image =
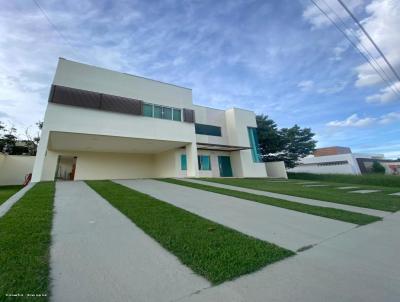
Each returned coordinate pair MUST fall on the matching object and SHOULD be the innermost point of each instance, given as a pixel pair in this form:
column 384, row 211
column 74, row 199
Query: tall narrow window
column 204, row 162
column 148, row 110
column 177, row 116
column 255, row 149
column 183, row 162
column 167, row 113
column 157, row 111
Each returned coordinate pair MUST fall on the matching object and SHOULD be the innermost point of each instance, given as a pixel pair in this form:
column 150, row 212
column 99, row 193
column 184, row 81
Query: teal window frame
column 255, row 147
column 177, row 114
column 207, row 129
column 157, row 111
column 204, row 162
column 148, row 109
column 183, row 162
column 167, row 113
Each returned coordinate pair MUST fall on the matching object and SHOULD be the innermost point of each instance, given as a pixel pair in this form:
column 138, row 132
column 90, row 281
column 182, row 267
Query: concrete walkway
column 5, row 206
column 286, row 228
column 358, row 266
column 98, row 254
column 313, row 202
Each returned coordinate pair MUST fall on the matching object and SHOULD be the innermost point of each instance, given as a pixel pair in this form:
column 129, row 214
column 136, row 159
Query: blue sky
column 281, row 58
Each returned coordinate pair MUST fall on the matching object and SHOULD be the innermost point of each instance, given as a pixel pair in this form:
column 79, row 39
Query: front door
column 225, row 168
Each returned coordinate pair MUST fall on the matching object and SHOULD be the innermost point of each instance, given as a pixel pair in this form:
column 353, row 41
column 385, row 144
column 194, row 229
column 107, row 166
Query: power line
column 369, row 38
column 353, row 44
column 66, row 41
column 389, row 79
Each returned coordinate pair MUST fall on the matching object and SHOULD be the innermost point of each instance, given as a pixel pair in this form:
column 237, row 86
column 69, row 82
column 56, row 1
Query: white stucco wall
column 310, row 165
column 14, row 168
column 276, row 169
column 87, row 77
column 69, row 119
column 237, row 122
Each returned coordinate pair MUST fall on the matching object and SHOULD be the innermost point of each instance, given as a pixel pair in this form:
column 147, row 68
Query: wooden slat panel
column 121, row 104
column 75, row 97
column 188, row 115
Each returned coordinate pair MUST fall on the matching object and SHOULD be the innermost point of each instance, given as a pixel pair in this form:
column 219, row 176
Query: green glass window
column 255, row 149
column 204, row 162
column 177, row 116
column 167, row 113
column 207, row 129
column 157, row 111
column 148, row 110
column 183, row 162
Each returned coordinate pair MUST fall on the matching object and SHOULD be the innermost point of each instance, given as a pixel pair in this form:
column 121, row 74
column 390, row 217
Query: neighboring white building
column 343, row 163
column 102, row 124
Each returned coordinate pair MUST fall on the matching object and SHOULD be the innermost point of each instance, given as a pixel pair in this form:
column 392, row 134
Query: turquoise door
column 225, row 168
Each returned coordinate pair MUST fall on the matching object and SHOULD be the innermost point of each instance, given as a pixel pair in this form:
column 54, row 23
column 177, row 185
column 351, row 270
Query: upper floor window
column 207, row 129
column 157, row 111
column 255, row 149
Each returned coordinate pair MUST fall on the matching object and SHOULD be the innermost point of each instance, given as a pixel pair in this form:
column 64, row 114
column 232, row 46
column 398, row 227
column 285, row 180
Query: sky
column 282, row 58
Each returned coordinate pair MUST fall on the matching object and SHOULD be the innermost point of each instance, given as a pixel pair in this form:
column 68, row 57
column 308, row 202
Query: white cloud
column 352, row 121
column 383, row 25
column 355, row 121
column 318, row 20
column 386, row 95
column 390, row 118
column 306, row 85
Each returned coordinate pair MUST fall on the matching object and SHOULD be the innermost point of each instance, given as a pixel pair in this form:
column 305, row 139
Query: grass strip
column 211, row 250
column 7, row 191
column 25, row 237
column 366, row 179
column 378, row 201
column 332, row 213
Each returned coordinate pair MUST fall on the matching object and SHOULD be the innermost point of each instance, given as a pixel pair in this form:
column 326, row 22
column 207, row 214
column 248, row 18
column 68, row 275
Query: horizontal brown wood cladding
column 188, row 115
column 88, row 99
column 75, row 97
column 120, row 104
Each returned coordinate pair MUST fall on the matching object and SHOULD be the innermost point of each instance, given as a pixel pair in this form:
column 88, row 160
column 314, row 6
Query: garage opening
column 66, row 167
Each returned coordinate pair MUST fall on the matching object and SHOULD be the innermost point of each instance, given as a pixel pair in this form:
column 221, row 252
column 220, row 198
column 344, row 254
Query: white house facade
column 102, row 124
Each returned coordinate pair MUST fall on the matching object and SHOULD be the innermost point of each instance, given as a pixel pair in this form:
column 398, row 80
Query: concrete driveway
column 98, row 254
column 286, row 228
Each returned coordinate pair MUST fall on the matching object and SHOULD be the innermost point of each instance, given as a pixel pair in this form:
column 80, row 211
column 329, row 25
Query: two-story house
column 102, row 124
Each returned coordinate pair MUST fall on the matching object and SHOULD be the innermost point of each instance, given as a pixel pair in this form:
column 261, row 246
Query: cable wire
column 370, row 39
column 66, row 41
column 389, row 79
column 353, row 44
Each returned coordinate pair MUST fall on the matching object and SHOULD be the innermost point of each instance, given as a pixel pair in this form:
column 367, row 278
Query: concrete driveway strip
column 98, row 254
column 286, row 228
column 358, row 266
column 312, row 202
column 13, row 199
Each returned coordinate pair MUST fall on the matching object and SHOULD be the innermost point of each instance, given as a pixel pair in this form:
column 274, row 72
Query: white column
column 191, row 158
column 40, row 156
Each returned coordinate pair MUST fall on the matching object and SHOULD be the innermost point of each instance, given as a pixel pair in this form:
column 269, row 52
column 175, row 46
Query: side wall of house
column 14, row 168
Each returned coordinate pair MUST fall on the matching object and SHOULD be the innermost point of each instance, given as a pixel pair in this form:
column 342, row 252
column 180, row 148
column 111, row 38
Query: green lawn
column 7, row 191
column 366, row 179
column 379, row 200
column 25, row 245
column 211, row 250
column 332, row 213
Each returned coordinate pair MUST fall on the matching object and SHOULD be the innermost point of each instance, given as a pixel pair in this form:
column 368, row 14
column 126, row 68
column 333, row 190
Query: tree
column 8, row 139
column 287, row 144
column 269, row 138
column 377, row 167
column 33, row 141
column 297, row 143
